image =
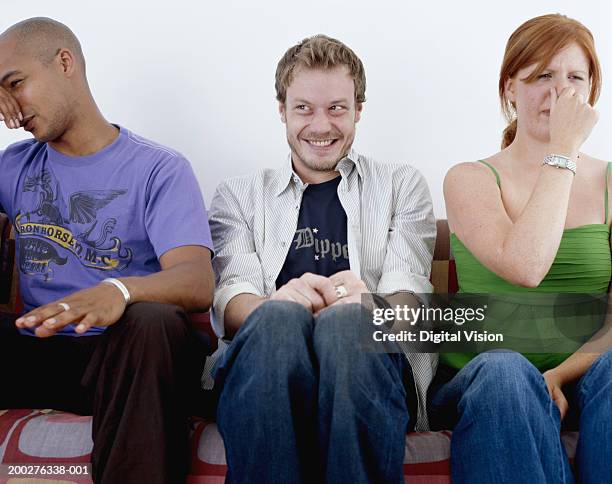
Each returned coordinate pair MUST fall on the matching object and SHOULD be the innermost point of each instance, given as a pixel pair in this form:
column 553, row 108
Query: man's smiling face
column 320, row 113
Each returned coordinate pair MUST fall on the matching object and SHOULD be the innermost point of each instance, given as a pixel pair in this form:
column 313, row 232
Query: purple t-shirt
column 80, row 220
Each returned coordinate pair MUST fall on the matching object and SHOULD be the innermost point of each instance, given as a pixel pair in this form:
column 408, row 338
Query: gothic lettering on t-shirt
column 307, row 238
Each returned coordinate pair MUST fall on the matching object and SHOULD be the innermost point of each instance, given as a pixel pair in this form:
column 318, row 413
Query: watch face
column 560, row 162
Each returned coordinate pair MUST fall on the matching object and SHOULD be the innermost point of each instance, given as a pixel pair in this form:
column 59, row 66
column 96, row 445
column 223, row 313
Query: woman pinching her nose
column 533, row 220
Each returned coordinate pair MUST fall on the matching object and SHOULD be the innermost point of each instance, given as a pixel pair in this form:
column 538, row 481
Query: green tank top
column 583, row 264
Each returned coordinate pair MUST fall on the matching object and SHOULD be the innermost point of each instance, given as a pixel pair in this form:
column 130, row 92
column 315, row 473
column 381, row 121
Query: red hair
column 537, row 41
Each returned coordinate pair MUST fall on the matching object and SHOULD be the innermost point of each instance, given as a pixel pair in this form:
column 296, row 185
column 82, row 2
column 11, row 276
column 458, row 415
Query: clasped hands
column 101, row 305
column 316, row 292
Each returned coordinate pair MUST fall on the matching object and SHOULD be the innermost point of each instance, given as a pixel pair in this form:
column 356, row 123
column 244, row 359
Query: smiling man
column 297, row 247
column 112, row 247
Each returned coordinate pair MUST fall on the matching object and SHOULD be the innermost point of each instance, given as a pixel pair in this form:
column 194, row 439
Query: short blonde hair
column 319, row 51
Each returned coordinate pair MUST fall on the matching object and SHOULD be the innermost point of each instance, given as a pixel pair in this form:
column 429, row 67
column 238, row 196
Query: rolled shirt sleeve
column 412, row 238
column 237, row 265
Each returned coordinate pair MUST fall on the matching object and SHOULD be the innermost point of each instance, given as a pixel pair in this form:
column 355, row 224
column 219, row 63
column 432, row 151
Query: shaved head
column 42, row 68
column 43, row 38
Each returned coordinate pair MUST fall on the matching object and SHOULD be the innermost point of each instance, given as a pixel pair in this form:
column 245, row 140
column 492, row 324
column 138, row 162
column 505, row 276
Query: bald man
column 113, row 248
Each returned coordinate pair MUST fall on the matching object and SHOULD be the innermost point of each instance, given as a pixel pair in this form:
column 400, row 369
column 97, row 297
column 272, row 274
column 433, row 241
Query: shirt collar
column 285, row 176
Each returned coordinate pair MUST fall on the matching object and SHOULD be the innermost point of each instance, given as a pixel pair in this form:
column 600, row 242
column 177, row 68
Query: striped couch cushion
column 49, row 437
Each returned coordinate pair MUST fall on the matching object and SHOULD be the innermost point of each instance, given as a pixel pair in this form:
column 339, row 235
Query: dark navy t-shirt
column 320, row 242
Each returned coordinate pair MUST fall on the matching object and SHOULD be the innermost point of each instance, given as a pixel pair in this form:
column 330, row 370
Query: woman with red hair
column 533, row 219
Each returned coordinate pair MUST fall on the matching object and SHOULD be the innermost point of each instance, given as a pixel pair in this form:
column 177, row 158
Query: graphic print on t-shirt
column 320, row 243
column 51, row 232
column 307, row 238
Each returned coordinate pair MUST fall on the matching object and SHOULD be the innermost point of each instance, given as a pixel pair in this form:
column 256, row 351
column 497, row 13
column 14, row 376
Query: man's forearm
column 189, row 284
column 238, row 309
column 398, row 301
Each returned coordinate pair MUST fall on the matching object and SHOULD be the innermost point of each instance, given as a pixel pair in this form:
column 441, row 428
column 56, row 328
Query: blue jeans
column 301, row 401
column 506, row 428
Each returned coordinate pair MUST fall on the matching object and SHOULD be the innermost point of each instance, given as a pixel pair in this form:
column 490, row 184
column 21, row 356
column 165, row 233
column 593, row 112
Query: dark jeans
column 136, row 379
column 301, row 400
column 506, row 428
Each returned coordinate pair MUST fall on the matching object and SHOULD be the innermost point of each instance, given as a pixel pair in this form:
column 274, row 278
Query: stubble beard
column 314, row 163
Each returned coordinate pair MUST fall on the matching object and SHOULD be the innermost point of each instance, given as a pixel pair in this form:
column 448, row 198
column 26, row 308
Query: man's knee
column 338, row 327
column 278, row 323
column 272, row 346
column 151, row 321
column 342, row 343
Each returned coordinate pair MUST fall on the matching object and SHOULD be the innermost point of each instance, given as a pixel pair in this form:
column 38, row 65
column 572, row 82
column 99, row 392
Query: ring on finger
column 341, row 291
column 64, row 305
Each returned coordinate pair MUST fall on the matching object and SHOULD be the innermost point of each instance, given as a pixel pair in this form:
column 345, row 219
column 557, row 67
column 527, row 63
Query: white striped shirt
column 391, row 231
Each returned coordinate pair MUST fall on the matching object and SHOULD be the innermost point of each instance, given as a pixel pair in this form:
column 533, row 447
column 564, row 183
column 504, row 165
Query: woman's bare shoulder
column 591, row 168
column 472, row 171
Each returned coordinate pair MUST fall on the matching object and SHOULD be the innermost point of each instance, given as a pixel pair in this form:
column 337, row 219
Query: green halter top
column 583, row 264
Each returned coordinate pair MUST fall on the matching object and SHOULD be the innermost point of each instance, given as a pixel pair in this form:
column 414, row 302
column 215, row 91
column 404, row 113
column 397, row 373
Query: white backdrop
column 199, row 76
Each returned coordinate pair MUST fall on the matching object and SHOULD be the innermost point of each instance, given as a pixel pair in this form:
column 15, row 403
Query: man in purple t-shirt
column 113, row 246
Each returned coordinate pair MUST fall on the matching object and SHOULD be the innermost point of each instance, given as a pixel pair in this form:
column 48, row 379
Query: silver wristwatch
column 560, row 161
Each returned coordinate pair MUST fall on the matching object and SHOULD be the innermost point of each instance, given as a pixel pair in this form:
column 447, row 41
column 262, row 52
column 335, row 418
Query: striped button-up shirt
column 391, row 233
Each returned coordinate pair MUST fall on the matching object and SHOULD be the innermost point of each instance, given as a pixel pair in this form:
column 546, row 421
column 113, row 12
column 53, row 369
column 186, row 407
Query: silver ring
column 64, row 305
column 341, row 291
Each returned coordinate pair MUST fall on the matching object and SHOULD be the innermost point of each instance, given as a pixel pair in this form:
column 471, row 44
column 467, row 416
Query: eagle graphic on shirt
column 50, row 224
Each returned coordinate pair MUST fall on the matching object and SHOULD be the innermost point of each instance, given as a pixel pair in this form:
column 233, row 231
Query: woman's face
column 568, row 68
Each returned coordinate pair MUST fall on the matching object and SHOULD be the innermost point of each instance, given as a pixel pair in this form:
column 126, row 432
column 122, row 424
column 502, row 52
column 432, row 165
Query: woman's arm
column 580, row 362
column 521, row 251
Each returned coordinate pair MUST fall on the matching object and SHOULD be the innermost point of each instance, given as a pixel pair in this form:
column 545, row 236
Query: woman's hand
column 571, row 121
column 554, row 384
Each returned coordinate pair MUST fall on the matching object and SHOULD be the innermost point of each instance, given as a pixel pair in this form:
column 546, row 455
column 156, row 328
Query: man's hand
column 312, row 291
column 101, row 305
column 554, row 385
column 353, row 286
column 10, row 111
